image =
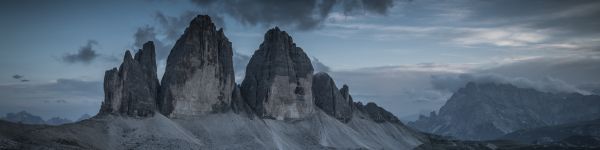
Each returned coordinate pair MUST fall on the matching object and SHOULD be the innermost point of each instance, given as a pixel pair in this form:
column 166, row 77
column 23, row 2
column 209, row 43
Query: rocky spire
column 199, row 75
column 345, row 91
column 330, row 99
column 278, row 78
column 132, row 89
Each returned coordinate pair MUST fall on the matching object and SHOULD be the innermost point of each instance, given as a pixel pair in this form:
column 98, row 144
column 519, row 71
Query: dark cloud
column 319, row 66
column 16, row 76
column 20, row 78
column 299, row 14
column 376, row 6
column 56, row 101
column 399, row 89
column 580, row 16
column 173, row 26
column 575, row 70
column 86, row 54
column 148, row 33
column 548, row 74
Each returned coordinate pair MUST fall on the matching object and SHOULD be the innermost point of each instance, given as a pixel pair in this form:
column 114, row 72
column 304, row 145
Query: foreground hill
column 577, row 133
column 217, row 131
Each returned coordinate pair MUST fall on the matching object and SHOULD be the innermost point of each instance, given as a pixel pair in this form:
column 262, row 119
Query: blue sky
column 401, row 54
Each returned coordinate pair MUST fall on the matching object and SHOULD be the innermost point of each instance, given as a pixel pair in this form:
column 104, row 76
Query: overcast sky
column 408, row 56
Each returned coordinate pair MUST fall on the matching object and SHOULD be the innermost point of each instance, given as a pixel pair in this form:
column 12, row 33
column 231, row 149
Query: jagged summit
column 199, row 76
column 132, row 89
column 202, row 22
column 330, row 99
column 278, row 79
column 199, row 80
column 277, row 36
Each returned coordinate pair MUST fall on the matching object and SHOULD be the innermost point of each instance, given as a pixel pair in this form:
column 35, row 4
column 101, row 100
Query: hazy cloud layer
column 63, row 97
column 319, row 66
column 452, row 83
column 421, row 88
column 167, row 30
column 148, row 33
column 299, row 14
column 86, row 54
column 577, row 16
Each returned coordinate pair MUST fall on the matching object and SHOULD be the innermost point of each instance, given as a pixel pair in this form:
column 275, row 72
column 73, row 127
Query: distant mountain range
column 25, row 117
column 485, row 111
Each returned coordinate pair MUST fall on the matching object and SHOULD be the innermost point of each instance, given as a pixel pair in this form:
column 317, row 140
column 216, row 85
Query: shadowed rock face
column 330, row 99
column 199, row 75
column 279, row 78
column 238, row 105
column 132, row 89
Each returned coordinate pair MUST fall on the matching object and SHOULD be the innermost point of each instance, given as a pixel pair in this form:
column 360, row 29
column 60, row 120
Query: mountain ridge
column 485, row 111
column 198, row 104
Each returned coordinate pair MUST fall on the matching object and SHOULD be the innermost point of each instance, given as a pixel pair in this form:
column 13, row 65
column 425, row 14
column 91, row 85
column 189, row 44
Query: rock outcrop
column 483, row 111
column 199, row 76
column 331, row 100
column 132, row 89
column 278, row 79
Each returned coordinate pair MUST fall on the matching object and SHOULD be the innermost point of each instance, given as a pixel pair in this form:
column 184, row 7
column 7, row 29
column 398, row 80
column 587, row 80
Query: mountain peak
column 278, row 63
column 127, row 56
column 203, row 22
column 199, row 76
column 275, row 35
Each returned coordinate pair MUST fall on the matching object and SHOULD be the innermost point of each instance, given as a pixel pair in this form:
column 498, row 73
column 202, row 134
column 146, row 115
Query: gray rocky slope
column 483, row 111
column 198, row 105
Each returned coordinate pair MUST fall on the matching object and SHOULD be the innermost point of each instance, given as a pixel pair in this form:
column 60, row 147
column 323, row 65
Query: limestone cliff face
column 329, row 99
column 199, row 76
column 132, row 89
column 278, row 79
